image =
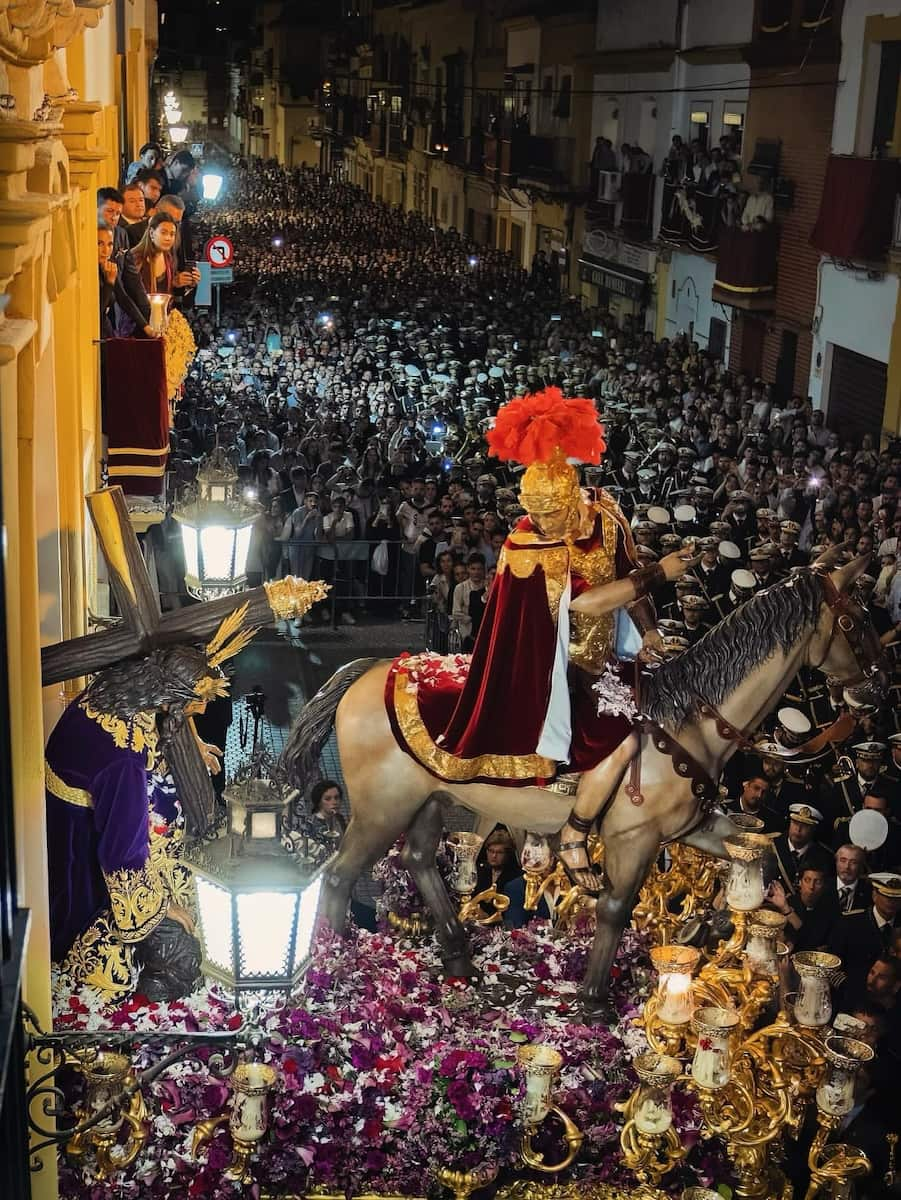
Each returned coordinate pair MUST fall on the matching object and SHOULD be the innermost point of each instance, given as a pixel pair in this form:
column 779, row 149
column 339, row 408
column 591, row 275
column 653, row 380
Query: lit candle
column 675, row 1007
column 158, row 305
column 674, row 966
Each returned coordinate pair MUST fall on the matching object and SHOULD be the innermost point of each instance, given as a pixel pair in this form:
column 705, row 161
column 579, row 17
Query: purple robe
column 98, row 835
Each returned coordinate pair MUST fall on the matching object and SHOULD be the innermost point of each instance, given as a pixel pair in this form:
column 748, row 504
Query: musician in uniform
column 850, row 780
column 791, row 556
column 694, row 607
column 712, row 577
column 862, row 937
column 761, row 561
column 798, row 847
column 742, row 586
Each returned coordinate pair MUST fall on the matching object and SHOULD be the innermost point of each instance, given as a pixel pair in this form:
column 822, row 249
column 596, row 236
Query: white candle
column 541, row 1070
column 675, row 1007
column 158, row 303
column 813, row 1006
column 652, row 1117
column 744, row 887
column 836, row 1094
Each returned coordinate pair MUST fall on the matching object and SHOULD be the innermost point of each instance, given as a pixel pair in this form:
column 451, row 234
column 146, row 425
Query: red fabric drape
column 857, row 207
column 746, row 262
column 136, row 414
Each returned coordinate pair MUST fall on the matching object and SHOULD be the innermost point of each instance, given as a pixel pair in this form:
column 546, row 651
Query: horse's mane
column 772, row 620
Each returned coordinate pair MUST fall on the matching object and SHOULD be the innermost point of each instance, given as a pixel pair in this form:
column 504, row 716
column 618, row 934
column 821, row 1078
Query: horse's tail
column 300, row 757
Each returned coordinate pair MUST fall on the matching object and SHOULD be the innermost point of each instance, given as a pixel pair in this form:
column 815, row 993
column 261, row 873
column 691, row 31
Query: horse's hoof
column 460, row 967
column 595, row 1010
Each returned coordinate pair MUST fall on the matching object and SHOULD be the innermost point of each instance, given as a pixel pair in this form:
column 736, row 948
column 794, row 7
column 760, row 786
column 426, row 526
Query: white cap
column 658, row 514
column 728, row 550
column 685, row 513
column 805, row 813
column 744, row 581
column 793, row 720
column 868, row 829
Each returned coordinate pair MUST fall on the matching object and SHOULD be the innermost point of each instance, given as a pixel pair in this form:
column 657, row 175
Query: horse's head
column 845, row 645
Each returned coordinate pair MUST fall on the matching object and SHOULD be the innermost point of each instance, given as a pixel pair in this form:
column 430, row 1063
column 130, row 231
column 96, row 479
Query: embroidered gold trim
column 449, row 766
column 591, row 638
column 137, row 899
column 139, row 734
column 524, row 554
column 63, row 791
column 99, row 959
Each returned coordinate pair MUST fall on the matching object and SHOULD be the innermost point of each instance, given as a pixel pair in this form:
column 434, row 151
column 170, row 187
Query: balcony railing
column 857, row 208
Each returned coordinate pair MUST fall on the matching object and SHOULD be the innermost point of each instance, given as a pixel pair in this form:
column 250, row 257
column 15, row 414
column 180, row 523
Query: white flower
column 614, row 697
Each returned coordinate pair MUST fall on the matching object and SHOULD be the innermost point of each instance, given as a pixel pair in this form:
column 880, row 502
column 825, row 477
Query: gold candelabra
column 754, row 1078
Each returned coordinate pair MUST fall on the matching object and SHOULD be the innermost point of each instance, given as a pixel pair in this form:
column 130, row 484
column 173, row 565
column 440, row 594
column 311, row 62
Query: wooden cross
column 144, row 628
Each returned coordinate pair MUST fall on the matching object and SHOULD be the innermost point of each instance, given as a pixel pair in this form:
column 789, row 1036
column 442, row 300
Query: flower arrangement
column 387, row 1071
column 180, row 350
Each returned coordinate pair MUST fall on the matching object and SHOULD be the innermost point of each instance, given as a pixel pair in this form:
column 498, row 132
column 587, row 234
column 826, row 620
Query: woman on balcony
column 154, row 254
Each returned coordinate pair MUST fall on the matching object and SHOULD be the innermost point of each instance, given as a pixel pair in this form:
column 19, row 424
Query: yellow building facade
column 73, row 107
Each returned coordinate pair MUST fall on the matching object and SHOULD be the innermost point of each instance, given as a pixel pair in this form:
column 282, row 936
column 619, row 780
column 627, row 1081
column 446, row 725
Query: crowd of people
column 350, row 378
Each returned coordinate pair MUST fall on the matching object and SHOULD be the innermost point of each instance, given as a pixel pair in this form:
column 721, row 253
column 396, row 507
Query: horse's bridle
column 870, row 659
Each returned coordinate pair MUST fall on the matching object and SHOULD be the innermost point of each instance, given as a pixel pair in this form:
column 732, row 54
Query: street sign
column 223, row 275
column 220, row 252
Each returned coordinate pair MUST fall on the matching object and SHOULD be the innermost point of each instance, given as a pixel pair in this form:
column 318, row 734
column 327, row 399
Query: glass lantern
column 845, row 1056
column 744, row 885
column 816, row 970
column 652, row 1109
column 257, row 905
column 711, row 1067
column 761, row 949
column 675, row 966
column 216, row 525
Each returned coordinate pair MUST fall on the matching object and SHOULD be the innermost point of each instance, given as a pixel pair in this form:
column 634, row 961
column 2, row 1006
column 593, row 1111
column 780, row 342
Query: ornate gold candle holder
column 108, row 1080
column 762, row 946
column 464, row 850
column 834, row 1164
column 650, row 1145
column 744, row 885
column 247, row 1121
column 464, row 1183
column 667, row 1013
column 711, row 1067
column 817, row 972
column 541, row 1065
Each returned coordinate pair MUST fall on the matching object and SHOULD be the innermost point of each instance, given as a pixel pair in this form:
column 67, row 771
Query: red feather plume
column 529, row 429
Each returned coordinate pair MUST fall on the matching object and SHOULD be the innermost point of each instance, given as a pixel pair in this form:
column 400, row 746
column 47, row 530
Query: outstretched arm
column 607, row 597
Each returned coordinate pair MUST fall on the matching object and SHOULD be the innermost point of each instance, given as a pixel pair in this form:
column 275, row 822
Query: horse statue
column 697, row 710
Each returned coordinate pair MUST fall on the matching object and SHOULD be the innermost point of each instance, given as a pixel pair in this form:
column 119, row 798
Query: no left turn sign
column 220, row 252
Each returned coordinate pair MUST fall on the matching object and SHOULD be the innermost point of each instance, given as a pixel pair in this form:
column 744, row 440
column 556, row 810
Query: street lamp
column 216, row 524
column 178, row 134
column 212, row 185
column 257, row 906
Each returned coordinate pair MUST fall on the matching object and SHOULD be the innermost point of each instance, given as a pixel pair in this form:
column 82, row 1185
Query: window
column 563, row 107
column 700, row 124
column 734, row 123
column 886, row 97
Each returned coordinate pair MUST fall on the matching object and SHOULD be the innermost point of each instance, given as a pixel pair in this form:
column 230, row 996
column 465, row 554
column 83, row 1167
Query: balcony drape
column 857, row 207
column 136, row 414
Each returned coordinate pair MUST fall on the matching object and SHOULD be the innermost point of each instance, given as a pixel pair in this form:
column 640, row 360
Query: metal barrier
column 353, row 568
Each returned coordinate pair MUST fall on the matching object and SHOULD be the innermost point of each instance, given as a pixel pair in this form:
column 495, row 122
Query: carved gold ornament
column 291, row 597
